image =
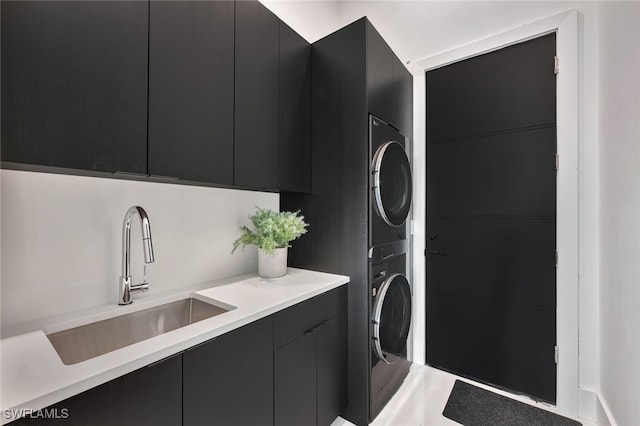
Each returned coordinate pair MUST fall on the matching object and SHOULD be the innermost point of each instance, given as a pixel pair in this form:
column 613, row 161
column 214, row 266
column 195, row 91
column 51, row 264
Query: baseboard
column 604, row 416
column 587, row 405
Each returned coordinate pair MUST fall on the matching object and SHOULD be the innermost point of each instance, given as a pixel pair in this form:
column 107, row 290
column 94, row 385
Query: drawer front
column 304, row 316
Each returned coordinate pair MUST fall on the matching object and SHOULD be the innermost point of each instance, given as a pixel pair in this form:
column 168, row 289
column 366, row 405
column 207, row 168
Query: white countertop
column 34, row 377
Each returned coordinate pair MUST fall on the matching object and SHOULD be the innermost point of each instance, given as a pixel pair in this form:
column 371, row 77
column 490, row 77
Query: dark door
column 191, row 90
column 256, row 96
column 491, row 218
column 74, row 84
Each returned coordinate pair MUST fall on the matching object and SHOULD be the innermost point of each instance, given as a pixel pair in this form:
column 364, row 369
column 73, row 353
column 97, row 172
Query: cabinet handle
column 164, row 177
column 317, row 327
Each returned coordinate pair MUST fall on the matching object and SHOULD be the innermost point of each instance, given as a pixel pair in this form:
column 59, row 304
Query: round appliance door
column 392, row 318
column 392, row 183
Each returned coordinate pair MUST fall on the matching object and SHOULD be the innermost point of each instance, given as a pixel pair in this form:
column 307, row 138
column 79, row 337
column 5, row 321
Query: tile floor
column 422, row 397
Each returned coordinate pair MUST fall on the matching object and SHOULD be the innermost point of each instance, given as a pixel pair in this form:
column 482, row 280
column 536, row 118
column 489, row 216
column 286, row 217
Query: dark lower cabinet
column 295, row 382
column 74, row 84
column 236, row 379
column 191, row 90
column 310, row 371
column 331, row 368
column 229, row 380
column 151, row 395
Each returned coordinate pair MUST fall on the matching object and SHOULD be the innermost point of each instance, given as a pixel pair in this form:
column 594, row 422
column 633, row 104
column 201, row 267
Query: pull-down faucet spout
column 125, row 287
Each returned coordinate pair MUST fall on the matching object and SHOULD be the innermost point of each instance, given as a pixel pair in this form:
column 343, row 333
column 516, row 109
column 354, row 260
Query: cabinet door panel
column 295, row 382
column 74, row 84
column 229, row 380
column 379, row 75
column 331, row 369
column 403, row 98
column 191, row 90
column 151, row 395
column 294, row 162
column 256, row 96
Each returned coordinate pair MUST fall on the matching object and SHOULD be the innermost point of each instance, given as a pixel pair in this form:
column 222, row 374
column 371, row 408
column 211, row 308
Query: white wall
column 62, row 238
column 620, row 208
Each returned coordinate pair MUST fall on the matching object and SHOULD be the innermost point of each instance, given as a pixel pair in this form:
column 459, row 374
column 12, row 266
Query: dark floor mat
column 472, row 406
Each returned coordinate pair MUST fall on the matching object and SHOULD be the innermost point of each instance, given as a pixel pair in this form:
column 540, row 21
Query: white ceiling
column 417, row 29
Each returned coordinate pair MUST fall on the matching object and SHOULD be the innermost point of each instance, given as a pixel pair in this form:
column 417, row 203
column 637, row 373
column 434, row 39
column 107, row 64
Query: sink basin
column 90, row 340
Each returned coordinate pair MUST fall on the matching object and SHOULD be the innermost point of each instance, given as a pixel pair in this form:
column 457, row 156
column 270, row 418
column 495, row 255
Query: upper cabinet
column 295, row 112
column 205, row 92
column 389, row 84
column 191, row 90
column 256, row 96
column 403, row 98
column 74, row 84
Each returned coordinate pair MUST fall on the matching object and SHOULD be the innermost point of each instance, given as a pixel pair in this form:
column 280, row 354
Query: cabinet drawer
column 298, row 319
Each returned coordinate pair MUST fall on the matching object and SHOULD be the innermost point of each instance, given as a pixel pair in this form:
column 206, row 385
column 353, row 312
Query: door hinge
column 556, row 354
column 556, row 257
column 557, row 161
column 556, row 65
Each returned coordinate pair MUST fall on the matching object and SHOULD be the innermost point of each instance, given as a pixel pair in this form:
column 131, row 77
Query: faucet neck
column 125, row 280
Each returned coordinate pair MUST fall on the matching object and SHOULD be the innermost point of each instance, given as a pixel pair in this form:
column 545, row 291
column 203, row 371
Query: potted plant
column 272, row 232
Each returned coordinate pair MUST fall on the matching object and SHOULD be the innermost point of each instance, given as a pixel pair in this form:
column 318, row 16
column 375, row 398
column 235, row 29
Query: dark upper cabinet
column 191, row 80
column 151, row 395
column 294, row 162
column 229, row 380
column 379, row 77
column 389, row 84
column 74, row 84
column 403, row 98
column 256, row 96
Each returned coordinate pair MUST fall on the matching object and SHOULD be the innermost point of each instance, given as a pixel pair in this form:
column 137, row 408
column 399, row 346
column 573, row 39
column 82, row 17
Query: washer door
column 392, row 318
column 392, row 183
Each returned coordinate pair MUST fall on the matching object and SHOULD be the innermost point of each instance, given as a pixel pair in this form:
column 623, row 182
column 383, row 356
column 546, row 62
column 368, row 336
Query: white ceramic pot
column 272, row 265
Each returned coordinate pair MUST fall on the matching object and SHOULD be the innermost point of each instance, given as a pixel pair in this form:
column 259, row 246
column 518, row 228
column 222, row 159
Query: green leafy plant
column 272, row 230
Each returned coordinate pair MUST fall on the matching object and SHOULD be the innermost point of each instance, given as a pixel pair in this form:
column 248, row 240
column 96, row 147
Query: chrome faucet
column 125, row 288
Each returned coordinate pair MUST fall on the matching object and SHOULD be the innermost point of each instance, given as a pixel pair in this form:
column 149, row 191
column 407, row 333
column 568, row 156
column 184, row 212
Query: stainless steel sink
column 87, row 341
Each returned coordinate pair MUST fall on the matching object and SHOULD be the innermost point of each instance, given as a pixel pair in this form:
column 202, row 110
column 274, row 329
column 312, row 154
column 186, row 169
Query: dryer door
column 392, row 318
column 392, row 183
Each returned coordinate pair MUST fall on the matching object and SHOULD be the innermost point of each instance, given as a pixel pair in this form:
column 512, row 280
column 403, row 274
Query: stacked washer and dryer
column 391, row 190
column 359, row 204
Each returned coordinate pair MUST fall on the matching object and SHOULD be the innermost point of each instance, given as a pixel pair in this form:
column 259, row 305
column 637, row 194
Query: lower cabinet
column 286, row 369
column 310, row 371
column 229, row 380
column 151, row 395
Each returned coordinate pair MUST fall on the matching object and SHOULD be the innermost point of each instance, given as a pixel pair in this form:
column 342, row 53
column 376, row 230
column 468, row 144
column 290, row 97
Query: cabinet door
column 191, row 90
column 229, row 380
column 403, row 98
column 256, row 96
column 151, row 395
column 379, row 75
column 331, row 369
column 294, row 163
column 295, row 382
column 74, row 84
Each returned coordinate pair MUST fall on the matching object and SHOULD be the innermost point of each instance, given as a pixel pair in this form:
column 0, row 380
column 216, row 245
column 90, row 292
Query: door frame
column 565, row 25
